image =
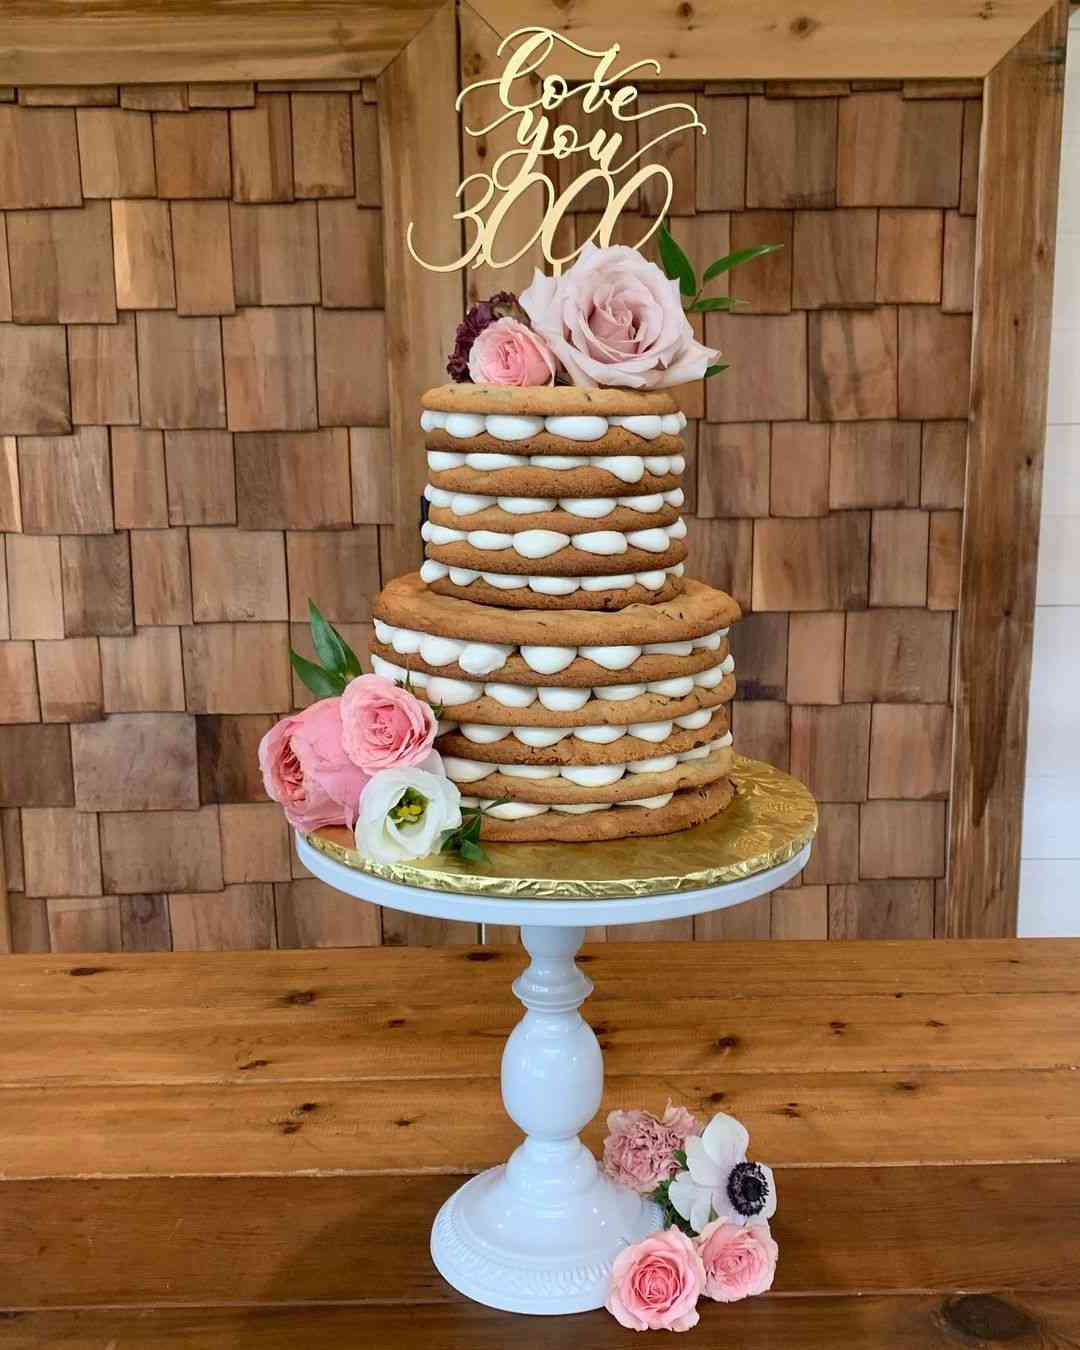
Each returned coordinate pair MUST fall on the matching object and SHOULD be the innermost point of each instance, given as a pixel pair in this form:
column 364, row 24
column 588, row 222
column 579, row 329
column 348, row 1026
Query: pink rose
column 615, row 319
column 306, row 770
column 739, row 1262
column 384, row 726
column 507, row 352
column 655, row 1285
column 639, row 1151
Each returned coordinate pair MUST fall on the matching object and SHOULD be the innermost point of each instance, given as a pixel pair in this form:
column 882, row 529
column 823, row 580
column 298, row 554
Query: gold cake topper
column 541, row 137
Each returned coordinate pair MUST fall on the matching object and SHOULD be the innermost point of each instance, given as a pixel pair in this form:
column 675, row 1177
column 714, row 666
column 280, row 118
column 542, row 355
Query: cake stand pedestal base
column 539, row 1234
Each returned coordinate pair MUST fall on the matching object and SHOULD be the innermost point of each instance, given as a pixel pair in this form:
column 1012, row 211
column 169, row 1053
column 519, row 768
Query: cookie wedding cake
column 582, row 680
column 551, row 672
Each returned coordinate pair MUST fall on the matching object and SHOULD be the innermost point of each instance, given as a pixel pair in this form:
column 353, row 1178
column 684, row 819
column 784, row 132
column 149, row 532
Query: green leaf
column 472, row 852
column 710, row 304
column 676, row 264
column 337, row 657
column 319, row 681
column 731, row 260
column 710, row 371
column 680, row 1157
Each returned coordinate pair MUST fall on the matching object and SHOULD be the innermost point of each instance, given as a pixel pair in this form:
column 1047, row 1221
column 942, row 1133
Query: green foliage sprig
column 465, row 840
column 679, row 268
column 671, row 1216
column 337, row 663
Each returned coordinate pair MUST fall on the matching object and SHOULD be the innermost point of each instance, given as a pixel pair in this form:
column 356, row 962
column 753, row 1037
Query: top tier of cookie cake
column 555, row 497
column 583, row 682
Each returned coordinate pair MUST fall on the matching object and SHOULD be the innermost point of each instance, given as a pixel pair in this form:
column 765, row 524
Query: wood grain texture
column 61, row 265
column 143, row 255
column 34, row 594
column 69, row 678
column 834, row 258
column 893, row 151
column 419, row 167
column 204, row 271
column 39, row 157
column 898, row 655
column 65, row 482
column 1011, row 329
column 135, row 762
column 242, row 43
column 261, row 150
column 931, row 1322
column 95, row 571
column 269, row 359
column 35, row 398
column 295, row 43
column 103, row 373
column 322, row 145
column 180, row 371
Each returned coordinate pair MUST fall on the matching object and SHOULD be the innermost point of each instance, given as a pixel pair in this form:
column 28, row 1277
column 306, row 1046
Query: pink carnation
column 384, row 726
column 305, row 768
column 615, row 319
column 655, row 1285
column 639, row 1151
column 508, row 352
column 739, row 1262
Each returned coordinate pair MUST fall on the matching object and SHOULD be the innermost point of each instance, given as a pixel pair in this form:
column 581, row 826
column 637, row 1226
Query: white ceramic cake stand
column 539, row 1233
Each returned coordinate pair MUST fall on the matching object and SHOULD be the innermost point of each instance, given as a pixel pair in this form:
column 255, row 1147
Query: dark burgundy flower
column 499, row 306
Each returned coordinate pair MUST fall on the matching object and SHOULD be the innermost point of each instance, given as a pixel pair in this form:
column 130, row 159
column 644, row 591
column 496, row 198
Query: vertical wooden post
column 420, row 151
column 421, row 167
column 1017, row 223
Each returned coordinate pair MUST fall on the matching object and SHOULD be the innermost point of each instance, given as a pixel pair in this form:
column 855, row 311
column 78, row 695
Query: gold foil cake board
column 772, row 817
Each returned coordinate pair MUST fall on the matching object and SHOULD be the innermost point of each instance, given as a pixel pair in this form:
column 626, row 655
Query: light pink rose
column 305, row 768
column 508, row 352
column 655, row 1285
column 739, row 1262
column 615, row 319
column 384, row 726
column 639, row 1151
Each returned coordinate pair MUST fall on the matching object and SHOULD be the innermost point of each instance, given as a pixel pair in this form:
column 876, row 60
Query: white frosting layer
column 585, row 508
column 449, row 691
column 519, row 427
column 536, row 544
column 482, row 733
column 627, row 468
column 483, row 658
column 581, row 775
column 433, row 570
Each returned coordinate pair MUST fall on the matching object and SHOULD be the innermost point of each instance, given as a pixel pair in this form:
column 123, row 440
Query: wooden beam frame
column 141, row 41
column 1016, row 45
column 1014, row 274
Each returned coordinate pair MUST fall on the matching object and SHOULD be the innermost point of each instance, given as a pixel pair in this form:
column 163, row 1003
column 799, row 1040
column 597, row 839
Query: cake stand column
column 539, row 1233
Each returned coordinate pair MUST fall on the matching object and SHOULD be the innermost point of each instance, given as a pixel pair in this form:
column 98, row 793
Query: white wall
column 1050, row 867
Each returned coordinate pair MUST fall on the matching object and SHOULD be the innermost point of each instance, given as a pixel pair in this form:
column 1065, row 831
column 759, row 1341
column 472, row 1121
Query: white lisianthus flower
column 719, row 1182
column 403, row 812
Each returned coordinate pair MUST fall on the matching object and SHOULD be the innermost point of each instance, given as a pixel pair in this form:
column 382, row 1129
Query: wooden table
column 246, row 1150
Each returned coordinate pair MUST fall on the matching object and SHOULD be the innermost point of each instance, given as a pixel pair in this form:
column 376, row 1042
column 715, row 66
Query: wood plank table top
column 246, row 1150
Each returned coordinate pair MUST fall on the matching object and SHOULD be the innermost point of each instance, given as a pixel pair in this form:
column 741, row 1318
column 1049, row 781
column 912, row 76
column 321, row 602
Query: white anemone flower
column 719, row 1181
column 403, row 812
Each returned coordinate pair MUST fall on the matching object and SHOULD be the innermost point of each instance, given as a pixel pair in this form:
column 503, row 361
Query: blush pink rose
column 739, row 1262
column 384, row 726
column 639, row 1150
column 655, row 1285
column 508, row 352
column 305, row 768
column 615, row 319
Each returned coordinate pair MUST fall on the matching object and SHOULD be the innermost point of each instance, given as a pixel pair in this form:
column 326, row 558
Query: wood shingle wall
column 193, row 440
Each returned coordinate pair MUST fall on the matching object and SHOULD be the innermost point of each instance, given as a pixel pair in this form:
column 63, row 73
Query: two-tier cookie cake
column 582, row 680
